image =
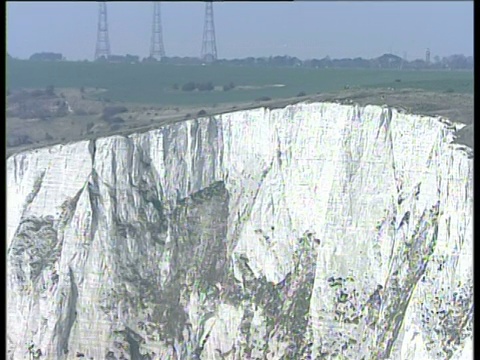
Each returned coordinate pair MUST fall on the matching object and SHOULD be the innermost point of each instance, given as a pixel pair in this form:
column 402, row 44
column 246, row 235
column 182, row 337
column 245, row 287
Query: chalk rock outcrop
column 317, row 231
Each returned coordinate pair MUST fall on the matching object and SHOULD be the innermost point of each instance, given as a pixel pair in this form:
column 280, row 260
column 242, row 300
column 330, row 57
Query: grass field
column 148, row 83
column 146, row 91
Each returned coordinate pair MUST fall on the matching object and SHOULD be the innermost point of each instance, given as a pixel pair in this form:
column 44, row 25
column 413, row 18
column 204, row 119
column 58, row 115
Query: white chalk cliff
column 317, row 231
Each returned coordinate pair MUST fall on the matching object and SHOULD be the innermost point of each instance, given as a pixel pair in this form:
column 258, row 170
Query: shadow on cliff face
column 200, row 228
column 198, row 253
column 197, row 262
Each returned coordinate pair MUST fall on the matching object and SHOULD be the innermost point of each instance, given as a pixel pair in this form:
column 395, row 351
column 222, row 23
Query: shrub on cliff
column 115, row 127
column 115, row 120
column 111, row 111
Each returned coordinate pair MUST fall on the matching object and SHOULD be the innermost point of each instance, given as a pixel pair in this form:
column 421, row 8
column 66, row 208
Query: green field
column 151, row 83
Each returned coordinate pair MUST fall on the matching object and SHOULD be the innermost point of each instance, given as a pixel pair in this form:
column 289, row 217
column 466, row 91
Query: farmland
column 58, row 102
column 160, row 84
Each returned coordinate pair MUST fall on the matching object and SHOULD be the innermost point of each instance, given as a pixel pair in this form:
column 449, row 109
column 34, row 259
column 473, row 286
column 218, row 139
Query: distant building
column 47, row 56
column 388, row 61
column 427, row 56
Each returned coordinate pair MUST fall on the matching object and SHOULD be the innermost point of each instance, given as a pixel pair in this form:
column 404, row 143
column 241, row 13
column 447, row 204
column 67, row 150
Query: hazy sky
column 306, row 29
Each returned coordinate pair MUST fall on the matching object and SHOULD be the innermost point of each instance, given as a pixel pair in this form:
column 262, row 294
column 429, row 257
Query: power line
column 209, row 47
column 102, row 48
column 157, row 50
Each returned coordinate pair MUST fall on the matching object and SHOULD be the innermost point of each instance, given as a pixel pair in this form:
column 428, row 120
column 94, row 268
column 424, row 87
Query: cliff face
column 314, row 231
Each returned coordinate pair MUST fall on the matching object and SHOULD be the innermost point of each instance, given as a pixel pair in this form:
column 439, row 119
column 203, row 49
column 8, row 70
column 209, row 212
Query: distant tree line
column 47, row 56
column 386, row 61
column 202, row 86
column 129, row 59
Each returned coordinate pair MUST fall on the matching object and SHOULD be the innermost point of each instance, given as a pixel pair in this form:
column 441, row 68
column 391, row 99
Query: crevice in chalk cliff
column 68, row 209
column 195, row 146
column 215, row 139
column 19, row 167
column 92, row 148
column 67, row 314
column 385, row 122
column 94, row 198
column 168, row 136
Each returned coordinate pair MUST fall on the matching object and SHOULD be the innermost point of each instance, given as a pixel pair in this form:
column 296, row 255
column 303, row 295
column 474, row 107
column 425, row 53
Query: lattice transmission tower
column 157, row 50
column 103, row 44
column 209, row 47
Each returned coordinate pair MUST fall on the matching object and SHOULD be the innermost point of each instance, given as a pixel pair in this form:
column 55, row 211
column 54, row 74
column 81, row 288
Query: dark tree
column 206, row 86
column 228, row 86
column 190, row 86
